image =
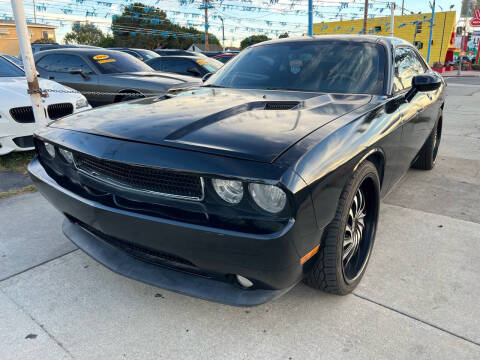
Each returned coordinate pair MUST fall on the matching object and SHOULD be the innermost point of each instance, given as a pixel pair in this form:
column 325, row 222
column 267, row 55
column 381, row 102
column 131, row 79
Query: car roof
column 385, row 40
column 195, row 57
column 80, row 51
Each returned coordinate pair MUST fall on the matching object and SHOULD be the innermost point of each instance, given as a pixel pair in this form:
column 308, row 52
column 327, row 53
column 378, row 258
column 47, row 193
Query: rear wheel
column 428, row 154
column 348, row 240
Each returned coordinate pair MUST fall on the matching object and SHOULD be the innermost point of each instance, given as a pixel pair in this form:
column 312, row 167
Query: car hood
column 247, row 124
column 13, row 92
column 156, row 76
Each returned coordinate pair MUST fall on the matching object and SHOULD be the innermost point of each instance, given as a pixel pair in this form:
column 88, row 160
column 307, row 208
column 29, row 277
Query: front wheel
column 348, row 240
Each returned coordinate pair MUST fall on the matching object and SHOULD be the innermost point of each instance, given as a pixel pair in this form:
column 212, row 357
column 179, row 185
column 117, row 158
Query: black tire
column 329, row 273
column 428, row 153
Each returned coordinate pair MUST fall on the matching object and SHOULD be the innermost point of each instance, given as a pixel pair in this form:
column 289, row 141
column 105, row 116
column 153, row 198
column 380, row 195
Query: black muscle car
column 268, row 174
column 106, row 76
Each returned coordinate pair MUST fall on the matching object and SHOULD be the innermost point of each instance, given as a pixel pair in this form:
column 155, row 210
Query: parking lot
column 419, row 298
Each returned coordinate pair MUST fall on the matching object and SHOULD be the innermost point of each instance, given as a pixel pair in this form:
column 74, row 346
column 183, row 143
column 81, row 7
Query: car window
column 63, row 63
column 147, row 54
column 133, row 53
column 7, row 69
column 176, row 65
column 407, row 65
column 114, row 62
column 209, row 65
column 321, row 66
column 156, row 63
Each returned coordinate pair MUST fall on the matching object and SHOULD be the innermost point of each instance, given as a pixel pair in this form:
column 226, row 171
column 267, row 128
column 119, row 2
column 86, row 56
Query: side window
column 133, row 53
column 156, row 64
column 179, row 66
column 407, row 65
column 63, row 63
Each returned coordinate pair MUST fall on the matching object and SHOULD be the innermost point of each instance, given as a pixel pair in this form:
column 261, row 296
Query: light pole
column 431, row 32
column 365, row 17
column 223, row 32
column 392, row 18
column 28, row 63
column 310, row 17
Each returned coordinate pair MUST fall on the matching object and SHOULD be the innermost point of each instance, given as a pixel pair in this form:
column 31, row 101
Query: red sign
column 475, row 21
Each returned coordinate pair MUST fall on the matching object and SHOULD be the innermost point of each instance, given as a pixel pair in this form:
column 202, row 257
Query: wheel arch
column 377, row 157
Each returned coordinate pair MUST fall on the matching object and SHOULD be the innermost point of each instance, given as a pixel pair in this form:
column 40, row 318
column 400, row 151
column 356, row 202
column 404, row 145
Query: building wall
column 9, row 40
column 404, row 27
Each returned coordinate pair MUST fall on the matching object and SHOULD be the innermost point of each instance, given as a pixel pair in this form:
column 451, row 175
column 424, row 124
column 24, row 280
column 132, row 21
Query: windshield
column 117, row 62
column 7, row 69
column 210, row 65
column 320, row 66
column 147, row 54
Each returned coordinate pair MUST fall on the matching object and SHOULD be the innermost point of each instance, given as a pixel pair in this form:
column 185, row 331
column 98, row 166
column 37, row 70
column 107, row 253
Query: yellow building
column 9, row 40
column 408, row 27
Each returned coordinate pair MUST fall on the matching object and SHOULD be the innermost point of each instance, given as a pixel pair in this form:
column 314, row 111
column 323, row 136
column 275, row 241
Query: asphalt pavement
column 419, row 298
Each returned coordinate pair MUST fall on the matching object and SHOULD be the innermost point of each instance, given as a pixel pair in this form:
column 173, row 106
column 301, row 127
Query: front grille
column 142, row 178
column 22, row 114
column 56, row 111
column 24, row 141
column 136, row 250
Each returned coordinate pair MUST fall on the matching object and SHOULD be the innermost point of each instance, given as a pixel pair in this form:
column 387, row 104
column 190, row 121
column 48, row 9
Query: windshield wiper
column 288, row 89
column 213, row 86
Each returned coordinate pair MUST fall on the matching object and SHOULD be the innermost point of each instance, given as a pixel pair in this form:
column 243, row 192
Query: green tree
column 254, row 39
column 148, row 27
column 44, row 41
column 283, row 36
column 85, row 34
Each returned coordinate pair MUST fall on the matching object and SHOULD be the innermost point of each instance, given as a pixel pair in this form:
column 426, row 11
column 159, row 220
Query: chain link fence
column 44, row 92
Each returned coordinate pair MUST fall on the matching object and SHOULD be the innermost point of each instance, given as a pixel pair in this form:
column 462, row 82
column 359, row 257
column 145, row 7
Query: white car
column 17, row 123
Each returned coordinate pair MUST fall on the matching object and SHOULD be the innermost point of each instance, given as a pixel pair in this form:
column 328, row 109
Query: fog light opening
column 243, row 281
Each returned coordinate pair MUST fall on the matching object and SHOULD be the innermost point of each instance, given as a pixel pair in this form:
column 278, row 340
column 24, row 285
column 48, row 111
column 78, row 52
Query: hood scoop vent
column 281, row 105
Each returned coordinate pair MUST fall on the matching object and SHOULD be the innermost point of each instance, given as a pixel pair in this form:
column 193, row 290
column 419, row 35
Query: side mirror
column 206, row 76
column 194, row 71
column 423, row 83
column 78, row 72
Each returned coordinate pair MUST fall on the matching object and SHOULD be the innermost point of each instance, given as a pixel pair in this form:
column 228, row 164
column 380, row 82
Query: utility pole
column 34, row 12
column 223, row 33
column 28, row 63
column 205, row 5
column 403, row 6
column 431, row 31
column 365, row 17
column 392, row 18
column 310, row 17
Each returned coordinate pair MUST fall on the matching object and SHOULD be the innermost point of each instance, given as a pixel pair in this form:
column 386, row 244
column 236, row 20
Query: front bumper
column 269, row 260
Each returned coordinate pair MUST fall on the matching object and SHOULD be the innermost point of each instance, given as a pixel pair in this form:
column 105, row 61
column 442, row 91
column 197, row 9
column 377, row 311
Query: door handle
column 51, row 77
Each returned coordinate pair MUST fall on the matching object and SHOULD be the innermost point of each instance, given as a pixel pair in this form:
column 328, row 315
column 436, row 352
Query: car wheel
column 348, row 240
column 428, row 154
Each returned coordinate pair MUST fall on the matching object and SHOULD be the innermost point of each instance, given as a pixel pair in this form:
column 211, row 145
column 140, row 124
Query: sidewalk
column 470, row 73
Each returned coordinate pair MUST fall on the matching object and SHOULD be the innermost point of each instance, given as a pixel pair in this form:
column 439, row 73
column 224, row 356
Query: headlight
column 67, row 155
column 82, row 102
column 229, row 190
column 269, row 197
column 50, row 149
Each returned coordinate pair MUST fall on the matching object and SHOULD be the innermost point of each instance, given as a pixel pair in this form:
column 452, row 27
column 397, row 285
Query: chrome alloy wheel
column 357, row 239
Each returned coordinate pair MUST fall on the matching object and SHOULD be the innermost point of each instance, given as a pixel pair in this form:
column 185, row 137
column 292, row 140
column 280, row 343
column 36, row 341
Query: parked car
column 225, row 57
column 140, row 54
column 12, row 59
column 42, row 47
column 111, row 71
column 185, row 65
column 269, row 174
column 16, row 115
column 170, row 52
